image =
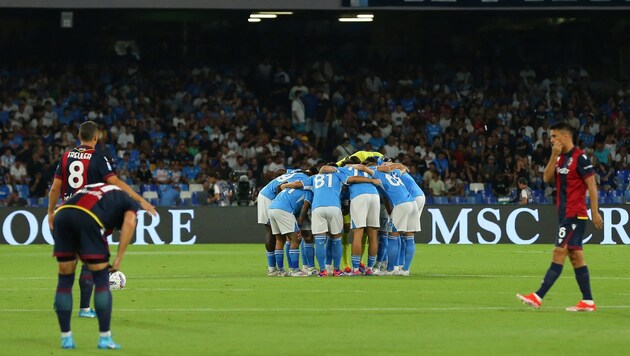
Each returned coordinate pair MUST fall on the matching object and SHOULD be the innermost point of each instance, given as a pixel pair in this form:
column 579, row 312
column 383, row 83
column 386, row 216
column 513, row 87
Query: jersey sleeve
column 308, row 183
column 59, row 170
column 343, row 175
column 104, row 168
column 308, row 196
column 584, row 167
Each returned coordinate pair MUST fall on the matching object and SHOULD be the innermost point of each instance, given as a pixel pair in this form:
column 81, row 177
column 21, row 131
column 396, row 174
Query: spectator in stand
column 622, row 159
column 601, row 155
column 436, row 185
column 18, row 173
column 454, row 186
column 489, row 169
column 161, row 174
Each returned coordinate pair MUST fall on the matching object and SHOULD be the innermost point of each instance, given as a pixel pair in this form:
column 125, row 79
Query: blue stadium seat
column 32, row 202
column 623, row 176
column 193, row 199
column 440, row 200
column 183, row 187
column 537, row 193
column 23, row 191
column 471, row 200
column 490, row 199
column 148, row 188
column 458, row 200
column 43, row 202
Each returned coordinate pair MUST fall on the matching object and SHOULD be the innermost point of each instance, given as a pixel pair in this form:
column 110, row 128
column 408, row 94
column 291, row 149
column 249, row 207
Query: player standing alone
column 573, row 175
column 78, row 230
column 77, row 168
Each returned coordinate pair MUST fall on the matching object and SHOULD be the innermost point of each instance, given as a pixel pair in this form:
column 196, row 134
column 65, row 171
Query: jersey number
column 393, row 180
column 285, row 177
column 75, row 179
column 320, row 180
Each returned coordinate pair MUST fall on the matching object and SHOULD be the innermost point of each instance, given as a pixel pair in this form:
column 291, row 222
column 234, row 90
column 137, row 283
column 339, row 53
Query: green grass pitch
column 217, row 299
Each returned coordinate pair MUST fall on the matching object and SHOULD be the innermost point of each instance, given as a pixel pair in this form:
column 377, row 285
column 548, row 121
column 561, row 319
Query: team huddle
column 306, row 210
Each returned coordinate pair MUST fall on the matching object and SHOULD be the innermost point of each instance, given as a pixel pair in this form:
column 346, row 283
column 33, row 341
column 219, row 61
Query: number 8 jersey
column 79, row 167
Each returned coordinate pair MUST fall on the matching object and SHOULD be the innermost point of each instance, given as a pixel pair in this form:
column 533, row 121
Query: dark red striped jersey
column 572, row 169
column 105, row 203
column 82, row 166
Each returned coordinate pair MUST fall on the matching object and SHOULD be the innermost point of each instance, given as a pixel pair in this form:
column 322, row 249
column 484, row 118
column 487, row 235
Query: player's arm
column 591, row 185
column 135, row 196
column 53, row 197
column 392, row 166
column 293, row 185
column 126, row 233
column 357, row 179
column 303, row 212
column 363, row 168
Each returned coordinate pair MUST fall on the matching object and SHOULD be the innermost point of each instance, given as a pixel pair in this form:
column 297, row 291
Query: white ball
column 117, row 280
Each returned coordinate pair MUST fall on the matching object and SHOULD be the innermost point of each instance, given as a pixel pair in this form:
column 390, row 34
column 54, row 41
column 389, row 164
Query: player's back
column 104, row 202
column 291, row 200
column 411, row 185
column 326, row 188
column 393, row 187
column 79, row 167
column 357, row 189
column 270, row 190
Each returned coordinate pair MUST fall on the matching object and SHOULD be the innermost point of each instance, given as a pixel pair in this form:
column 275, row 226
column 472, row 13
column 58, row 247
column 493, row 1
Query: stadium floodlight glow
column 253, row 20
column 276, row 12
column 263, row 16
column 365, row 16
column 355, row 19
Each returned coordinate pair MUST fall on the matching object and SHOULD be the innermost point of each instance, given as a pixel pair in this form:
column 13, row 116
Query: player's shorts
column 571, row 233
column 405, row 218
column 327, row 219
column 384, row 220
column 420, row 201
column 282, row 222
column 77, row 233
column 365, row 211
column 263, row 204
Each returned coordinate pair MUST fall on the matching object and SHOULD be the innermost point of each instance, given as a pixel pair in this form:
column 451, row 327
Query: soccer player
column 364, row 215
column 405, row 215
column 574, row 175
column 326, row 215
column 80, row 226
column 285, row 226
column 266, row 195
column 78, row 167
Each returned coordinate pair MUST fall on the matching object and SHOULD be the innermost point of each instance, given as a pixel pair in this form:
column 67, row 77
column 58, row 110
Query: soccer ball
column 117, row 280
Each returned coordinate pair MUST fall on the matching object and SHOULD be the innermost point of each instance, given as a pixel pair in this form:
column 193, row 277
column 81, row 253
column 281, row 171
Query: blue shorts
column 571, row 233
column 77, row 233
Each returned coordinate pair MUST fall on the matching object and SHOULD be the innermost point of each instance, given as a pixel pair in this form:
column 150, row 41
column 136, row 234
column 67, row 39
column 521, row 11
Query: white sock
column 589, row 302
column 106, row 334
column 69, row 333
column 85, row 309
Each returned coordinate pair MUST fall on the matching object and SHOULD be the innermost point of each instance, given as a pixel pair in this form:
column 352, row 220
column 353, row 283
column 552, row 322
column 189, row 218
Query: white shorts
column 327, row 219
column 365, row 211
column 263, row 209
column 405, row 218
column 420, row 200
column 384, row 220
column 282, row 222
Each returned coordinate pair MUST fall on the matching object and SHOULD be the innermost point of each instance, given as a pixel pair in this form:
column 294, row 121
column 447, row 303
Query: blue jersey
column 271, row 189
column 394, row 187
column 326, row 188
column 357, row 189
column 291, row 200
column 411, row 185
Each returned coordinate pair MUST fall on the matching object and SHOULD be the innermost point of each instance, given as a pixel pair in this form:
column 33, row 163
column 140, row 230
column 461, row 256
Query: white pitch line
column 275, row 310
column 513, row 276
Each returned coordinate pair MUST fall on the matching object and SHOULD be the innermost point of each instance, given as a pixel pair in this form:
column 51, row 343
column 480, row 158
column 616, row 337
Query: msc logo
column 563, row 170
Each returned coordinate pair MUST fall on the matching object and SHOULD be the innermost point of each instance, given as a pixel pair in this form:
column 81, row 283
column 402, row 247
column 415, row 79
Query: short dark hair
column 522, row 180
column 562, row 126
column 88, row 130
column 351, row 160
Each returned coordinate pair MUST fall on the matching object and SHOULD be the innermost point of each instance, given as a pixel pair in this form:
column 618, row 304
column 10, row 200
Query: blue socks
column 584, row 281
column 382, row 248
column 401, row 251
column 294, row 259
column 320, row 251
column 63, row 300
column 279, row 254
column 371, row 261
column 550, row 278
column 392, row 252
column 86, row 284
column 410, row 251
column 303, row 253
column 337, row 252
column 329, row 253
column 271, row 260
column 309, row 250
column 102, row 299
column 356, row 260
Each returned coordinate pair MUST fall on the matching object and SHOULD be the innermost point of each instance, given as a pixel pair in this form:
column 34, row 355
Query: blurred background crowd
column 212, row 123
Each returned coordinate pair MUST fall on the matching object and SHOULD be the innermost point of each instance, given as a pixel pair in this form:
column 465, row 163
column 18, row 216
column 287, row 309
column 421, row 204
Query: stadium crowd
column 467, row 134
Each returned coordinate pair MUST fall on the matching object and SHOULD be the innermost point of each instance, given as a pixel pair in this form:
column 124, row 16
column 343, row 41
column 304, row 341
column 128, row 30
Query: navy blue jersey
column 572, row 170
column 81, row 166
column 105, row 203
